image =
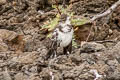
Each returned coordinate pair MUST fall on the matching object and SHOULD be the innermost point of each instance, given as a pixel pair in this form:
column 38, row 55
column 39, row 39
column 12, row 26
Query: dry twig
column 57, row 7
column 105, row 41
column 94, row 23
column 111, row 9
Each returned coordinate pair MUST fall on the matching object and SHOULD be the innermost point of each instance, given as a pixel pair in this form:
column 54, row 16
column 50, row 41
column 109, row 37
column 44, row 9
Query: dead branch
column 64, row 4
column 105, row 41
column 94, row 24
column 111, row 9
column 57, row 7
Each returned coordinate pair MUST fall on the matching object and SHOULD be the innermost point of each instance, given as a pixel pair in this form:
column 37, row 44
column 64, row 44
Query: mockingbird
column 61, row 37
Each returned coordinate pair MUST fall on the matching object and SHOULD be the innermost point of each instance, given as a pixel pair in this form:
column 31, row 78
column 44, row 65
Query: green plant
column 78, row 22
column 75, row 22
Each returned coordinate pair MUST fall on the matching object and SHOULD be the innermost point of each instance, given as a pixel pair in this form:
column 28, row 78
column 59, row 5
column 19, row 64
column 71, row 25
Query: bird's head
column 64, row 19
column 65, row 23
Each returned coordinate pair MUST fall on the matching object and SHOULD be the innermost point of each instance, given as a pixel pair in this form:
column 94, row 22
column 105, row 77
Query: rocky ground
column 23, row 45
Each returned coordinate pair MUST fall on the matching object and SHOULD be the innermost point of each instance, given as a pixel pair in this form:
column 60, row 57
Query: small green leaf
column 78, row 22
column 74, row 44
column 49, row 35
column 53, row 6
column 51, row 25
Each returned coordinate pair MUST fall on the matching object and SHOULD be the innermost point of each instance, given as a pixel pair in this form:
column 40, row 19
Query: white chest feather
column 65, row 38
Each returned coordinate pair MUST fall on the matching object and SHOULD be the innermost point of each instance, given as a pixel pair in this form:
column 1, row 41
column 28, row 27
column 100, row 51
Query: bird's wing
column 52, row 49
column 53, row 45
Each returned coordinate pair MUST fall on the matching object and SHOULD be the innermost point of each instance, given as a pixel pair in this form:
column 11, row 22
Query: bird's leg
column 55, row 51
column 65, row 50
column 68, row 49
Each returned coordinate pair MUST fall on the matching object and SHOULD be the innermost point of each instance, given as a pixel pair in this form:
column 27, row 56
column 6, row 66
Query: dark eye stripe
column 69, row 25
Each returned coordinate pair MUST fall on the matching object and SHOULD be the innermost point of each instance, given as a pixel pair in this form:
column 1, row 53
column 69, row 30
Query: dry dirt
column 23, row 45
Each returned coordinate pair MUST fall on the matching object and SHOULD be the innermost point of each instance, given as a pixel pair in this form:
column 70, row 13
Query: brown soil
column 23, row 45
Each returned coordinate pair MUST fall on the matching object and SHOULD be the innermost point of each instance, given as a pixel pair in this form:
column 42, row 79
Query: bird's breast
column 65, row 38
